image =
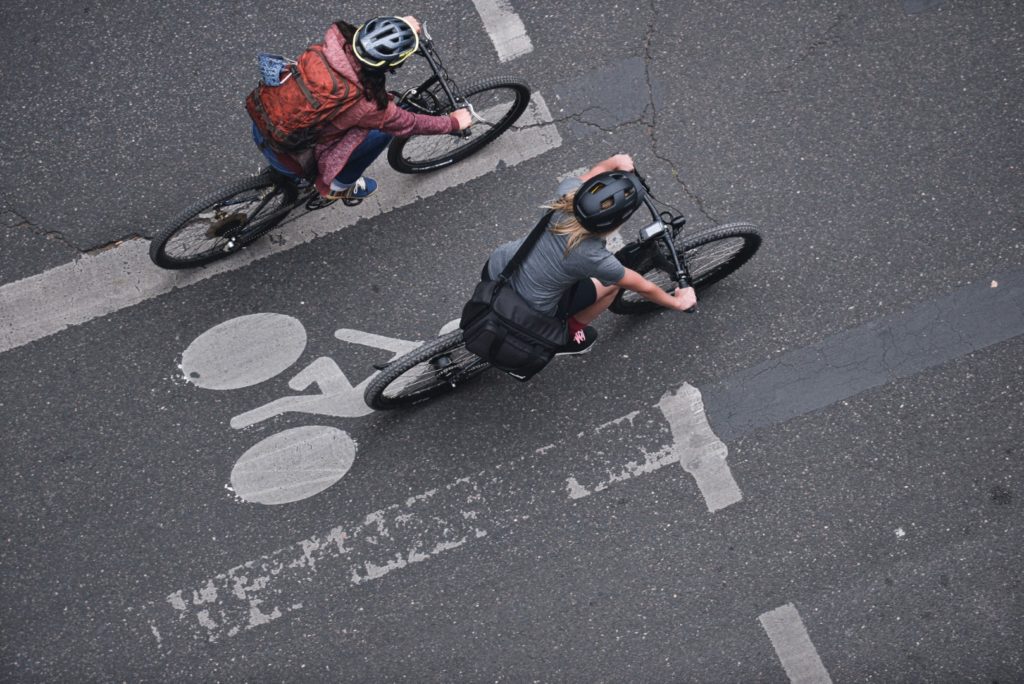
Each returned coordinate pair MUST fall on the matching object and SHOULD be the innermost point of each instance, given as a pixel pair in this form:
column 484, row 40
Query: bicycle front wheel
column 710, row 255
column 434, row 368
column 499, row 101
column 224, row 222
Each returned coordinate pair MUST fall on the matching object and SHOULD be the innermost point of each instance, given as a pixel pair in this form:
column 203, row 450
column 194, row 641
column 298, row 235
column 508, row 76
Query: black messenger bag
column 501, row 328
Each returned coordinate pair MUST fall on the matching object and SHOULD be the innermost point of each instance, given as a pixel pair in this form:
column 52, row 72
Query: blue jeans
column 359, row 161
column 363, row 156
column 270, row 155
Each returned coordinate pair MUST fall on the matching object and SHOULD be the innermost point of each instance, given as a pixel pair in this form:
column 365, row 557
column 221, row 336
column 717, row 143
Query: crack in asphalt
column 648, row 57
column 110, row 245
column 577, row 117
column 12, row 219
column 54, row 235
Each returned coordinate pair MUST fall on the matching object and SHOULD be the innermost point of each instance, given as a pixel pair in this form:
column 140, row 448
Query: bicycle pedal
column 317, row 202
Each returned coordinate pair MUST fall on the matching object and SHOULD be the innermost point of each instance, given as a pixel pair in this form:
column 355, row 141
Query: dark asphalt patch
column 871, row 355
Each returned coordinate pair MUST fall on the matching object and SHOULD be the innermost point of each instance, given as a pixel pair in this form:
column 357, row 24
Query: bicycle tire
column 421, row 153
column 382, row 393
column 710, row 256
column 221, row 233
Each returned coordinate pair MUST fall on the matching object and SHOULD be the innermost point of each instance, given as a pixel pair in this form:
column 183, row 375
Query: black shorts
column 578, row 297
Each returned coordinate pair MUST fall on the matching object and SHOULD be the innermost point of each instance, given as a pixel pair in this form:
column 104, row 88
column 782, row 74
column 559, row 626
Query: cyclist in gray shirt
column 570, row 273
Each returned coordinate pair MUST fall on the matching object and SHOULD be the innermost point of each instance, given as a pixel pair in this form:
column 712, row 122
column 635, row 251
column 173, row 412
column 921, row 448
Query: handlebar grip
column 684, row 284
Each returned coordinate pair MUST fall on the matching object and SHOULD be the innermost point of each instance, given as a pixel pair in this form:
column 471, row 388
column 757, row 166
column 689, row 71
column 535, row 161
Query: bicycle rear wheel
column 710, row 255
column 498, row 100
column 224, row 222
column 434, row 368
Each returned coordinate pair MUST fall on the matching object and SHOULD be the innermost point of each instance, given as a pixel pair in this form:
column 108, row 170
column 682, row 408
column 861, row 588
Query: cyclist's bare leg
column 605, row 296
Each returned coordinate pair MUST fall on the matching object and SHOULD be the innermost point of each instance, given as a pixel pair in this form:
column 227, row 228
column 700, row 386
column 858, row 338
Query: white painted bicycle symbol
column 296, row 463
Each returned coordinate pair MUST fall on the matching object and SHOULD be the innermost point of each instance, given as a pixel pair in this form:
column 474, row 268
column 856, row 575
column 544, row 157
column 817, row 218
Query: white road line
column 100, row 284
column 793, row 646
column 270, row 587
column 699, row 450
column 418, row 529
column 506, row 29
column 695, row 447
column 260, row 591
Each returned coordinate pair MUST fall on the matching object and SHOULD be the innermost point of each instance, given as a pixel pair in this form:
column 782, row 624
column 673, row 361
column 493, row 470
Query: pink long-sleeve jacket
column 351, row 126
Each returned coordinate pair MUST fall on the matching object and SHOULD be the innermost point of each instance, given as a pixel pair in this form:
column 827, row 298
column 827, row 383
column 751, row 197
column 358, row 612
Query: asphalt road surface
column 817, row 477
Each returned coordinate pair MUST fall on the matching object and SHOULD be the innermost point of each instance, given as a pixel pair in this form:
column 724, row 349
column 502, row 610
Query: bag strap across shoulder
column 517, row 260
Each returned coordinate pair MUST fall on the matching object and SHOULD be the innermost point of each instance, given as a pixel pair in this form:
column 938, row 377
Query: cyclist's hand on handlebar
column 413, row 22
column 686, row 299
column 464, row 118
column 622, row 162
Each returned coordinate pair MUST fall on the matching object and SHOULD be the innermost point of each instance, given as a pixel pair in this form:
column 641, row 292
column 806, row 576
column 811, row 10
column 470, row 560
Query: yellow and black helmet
column 384, row 42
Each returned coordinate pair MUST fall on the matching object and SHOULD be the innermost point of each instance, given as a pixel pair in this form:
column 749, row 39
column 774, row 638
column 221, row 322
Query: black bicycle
column 238, row 214
column 661, row 253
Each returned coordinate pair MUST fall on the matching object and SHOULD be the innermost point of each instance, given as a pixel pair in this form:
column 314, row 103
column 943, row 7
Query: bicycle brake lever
column 465, row 132
column 475, row 115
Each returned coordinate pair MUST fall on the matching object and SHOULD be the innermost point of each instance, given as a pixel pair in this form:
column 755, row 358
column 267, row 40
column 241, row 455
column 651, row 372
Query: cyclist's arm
column 681, row 300
column 618, row 162
column 399, row 122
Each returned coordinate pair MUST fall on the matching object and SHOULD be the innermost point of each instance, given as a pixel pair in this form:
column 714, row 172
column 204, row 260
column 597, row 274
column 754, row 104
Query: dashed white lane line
column 506, row 29
column 420, row 528
column 100, row 284
column 793, row 645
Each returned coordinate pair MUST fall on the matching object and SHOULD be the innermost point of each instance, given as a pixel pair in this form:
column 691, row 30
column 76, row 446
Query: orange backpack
column 289, row 115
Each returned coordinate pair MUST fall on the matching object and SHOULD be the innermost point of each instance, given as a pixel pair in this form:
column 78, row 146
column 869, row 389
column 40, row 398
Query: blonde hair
column 568, row 225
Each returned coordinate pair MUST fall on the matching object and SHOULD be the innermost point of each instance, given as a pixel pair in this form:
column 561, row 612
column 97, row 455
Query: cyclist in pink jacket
column 352, row 140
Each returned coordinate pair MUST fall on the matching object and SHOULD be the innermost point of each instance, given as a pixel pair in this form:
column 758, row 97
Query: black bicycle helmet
column 384, row 42
column 607, row 200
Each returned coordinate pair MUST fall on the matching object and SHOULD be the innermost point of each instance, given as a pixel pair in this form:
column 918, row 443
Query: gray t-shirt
column 547, row 272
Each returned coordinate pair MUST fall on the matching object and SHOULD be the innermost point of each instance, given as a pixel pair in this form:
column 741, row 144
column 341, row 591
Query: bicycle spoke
column 214, row 228
column 498, row 101
column 710, row 258
column 704, row 260
column 491, row 106
column 656, row 276
column 447, row 368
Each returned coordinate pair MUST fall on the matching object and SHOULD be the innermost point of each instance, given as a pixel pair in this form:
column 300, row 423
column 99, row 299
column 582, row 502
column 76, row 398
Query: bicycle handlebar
column 450, row 89
column 666, row 219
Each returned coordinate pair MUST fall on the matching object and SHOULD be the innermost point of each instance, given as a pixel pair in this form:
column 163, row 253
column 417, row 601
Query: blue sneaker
column 355, row 193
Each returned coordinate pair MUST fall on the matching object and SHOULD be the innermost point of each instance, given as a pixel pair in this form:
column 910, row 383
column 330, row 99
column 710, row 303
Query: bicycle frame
column 665, row 227
column 451, row 91
column 429, row 53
